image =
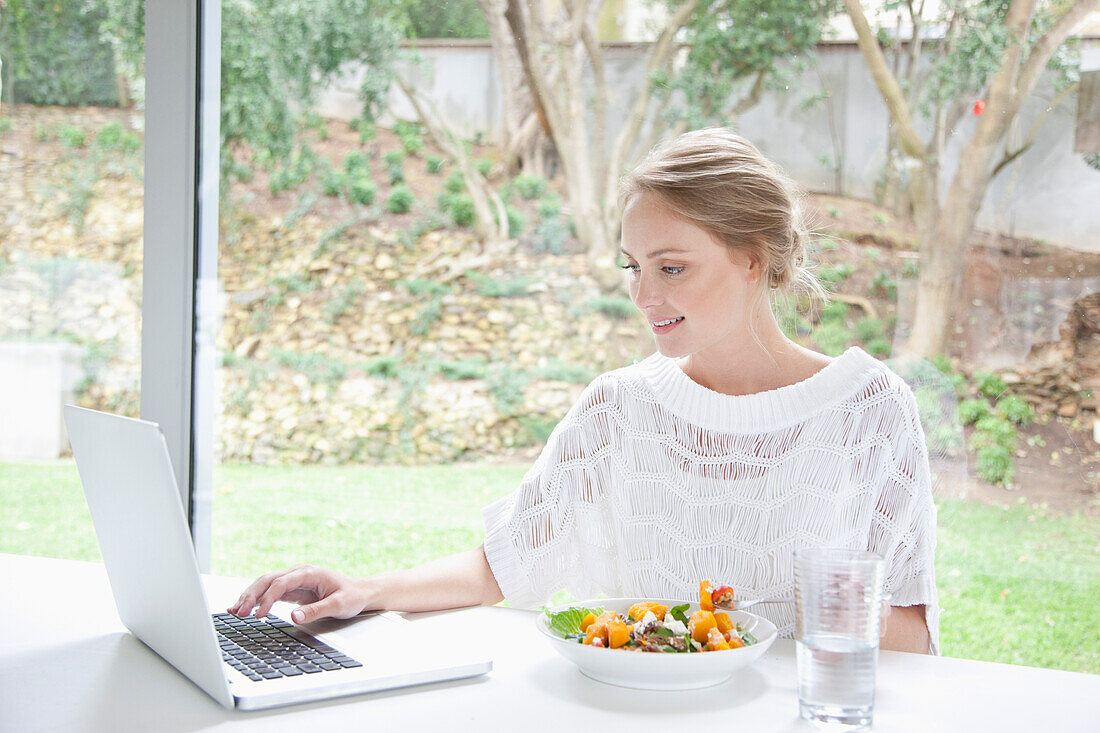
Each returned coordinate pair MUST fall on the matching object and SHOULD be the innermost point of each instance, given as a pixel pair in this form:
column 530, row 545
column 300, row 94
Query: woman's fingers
column 251, row 596
column 290, row 586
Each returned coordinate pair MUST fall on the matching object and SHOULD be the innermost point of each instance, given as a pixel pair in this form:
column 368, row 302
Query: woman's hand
column 321, row 594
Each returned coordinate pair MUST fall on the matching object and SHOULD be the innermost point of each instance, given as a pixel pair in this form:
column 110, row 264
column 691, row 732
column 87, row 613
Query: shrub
column 5, row 124
column 879, row 347
column 483, row 166
column 283, row 179
column 559, row 371
column 506, row 387
column 340, row 304
column 412, row 144
column 317, row 367
column 109, row 136
column 549, row 206
column 396, row 173
column 833, row 211
column 454, row 183
column 869, row 328
column 394, row 157
column 517, row 222
column 1015, row 409
column 367, row 132
column 434, row 164
column 400, row 199
column 529, row 187
column 992, row 430
column 832, row 336
column 462, row 369
column 460, row 208
column 355, row 162
column 834, row 311
column 333, row 182
column 882, row 284
column 384, row 367
column 550, row 236
column 71, row 137
column 423, row 286
column 493, row 288
column 428, row 315
column 130, row 142
column 995, row 464
column 614, row 306
column 362, row 191
column 989, row 383
column 971, row 411
column 834, row 274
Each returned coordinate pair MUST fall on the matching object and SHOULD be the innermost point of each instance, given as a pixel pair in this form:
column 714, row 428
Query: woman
column 717, row 456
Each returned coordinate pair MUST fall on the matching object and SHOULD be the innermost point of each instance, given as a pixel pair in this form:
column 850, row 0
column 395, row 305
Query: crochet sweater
column 653, row 482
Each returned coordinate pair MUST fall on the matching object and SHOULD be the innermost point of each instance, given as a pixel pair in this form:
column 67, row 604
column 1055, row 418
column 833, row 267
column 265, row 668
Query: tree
column 992, row 51
column 727, row 42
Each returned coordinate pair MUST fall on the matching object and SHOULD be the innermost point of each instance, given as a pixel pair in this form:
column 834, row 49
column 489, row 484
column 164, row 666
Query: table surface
column 68, row 664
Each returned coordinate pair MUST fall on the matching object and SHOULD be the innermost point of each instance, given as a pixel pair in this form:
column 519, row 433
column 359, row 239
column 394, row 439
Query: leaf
column 678, row 613
column 568, row 621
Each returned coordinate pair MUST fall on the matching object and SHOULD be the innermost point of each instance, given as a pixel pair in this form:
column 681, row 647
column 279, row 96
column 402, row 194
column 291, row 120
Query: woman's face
column 695, row 292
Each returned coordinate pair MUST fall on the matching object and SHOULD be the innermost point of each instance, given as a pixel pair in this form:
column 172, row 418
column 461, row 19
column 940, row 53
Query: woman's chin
column 671, row 351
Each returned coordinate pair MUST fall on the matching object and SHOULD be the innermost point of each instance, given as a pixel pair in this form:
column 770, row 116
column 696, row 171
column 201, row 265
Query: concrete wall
column 1047, row 193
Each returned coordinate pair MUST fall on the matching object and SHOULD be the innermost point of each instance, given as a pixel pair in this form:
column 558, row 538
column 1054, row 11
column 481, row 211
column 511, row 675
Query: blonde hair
column 718, row 180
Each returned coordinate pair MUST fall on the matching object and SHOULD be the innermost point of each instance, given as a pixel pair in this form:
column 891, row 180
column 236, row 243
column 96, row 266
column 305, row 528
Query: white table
column 68, row 664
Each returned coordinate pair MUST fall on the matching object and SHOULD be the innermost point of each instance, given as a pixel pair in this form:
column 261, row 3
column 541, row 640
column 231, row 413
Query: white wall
column 1049, row 193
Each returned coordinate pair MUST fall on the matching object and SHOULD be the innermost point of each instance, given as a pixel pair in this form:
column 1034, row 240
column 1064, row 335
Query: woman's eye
column 672, row 270
column 630, row 268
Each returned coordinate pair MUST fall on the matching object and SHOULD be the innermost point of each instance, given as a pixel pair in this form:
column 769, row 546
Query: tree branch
column 1034, row 131
column 886, row 83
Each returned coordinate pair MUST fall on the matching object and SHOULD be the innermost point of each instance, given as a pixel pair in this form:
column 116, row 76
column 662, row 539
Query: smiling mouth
column 669, row 322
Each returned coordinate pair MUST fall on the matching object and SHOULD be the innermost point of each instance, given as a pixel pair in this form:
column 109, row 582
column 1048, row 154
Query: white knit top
column 653, row 482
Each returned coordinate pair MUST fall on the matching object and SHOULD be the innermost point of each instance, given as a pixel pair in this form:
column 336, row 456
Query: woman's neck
column 749, row 364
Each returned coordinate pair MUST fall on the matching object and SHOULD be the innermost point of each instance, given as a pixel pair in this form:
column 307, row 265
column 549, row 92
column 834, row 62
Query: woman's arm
column 451, row 582
column 906, row 630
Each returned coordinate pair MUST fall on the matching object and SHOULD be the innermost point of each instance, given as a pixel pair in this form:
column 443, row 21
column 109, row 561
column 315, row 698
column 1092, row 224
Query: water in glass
column 836, row 680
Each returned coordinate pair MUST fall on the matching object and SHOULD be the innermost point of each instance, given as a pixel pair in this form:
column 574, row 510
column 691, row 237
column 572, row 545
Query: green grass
column 1017, row 584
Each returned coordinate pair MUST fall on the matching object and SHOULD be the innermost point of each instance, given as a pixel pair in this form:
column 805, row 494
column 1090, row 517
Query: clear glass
column 71, row 216
column 838, row 605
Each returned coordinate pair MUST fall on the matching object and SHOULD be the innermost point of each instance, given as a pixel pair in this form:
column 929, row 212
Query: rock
column 1067, row 409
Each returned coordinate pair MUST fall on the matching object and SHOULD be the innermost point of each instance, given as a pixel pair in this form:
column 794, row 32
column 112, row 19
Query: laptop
column 245, row 664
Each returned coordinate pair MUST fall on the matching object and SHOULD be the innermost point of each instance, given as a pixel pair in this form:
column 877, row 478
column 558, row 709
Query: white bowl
column 652, row 671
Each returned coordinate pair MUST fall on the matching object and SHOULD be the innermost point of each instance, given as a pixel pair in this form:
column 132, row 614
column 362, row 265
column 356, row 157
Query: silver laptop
column 246, row 664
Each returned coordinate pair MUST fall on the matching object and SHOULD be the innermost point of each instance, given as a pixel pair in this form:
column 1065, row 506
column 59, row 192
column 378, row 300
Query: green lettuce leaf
column 569, row 621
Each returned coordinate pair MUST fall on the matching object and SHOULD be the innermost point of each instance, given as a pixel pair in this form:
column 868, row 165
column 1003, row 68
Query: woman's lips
column 665, row 325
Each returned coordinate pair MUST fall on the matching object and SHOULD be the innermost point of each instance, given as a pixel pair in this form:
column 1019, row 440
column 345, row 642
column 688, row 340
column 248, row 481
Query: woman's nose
column 646, row 292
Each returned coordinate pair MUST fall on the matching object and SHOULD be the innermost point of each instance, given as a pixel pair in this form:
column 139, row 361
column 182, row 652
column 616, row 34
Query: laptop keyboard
column 264, row 648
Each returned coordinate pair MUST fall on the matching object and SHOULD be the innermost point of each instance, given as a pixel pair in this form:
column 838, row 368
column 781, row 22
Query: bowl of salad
column 656, row 644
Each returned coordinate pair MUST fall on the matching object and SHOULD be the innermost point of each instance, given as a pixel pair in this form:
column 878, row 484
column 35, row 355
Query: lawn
column 1017, row 583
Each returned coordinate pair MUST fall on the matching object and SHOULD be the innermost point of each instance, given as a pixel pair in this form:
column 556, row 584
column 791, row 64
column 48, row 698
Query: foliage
column 493, row 288
column 362, row 191
column 451, row 19
column 832, row 275
column 615, row 306
column 517, row 222
column 832, row 336
column 973, row 410
column 71, row 137
column 317, row 367
column 454, row 183
column 5, row 124
column 550, row 235
column 560, row 371
column 483, row 166
column 423, row 286
column 355, row 162
column 1015, row 409
column 383, row 367
column 400, row 199
column 427, row 316
column 409, row 132
column 433, row 164
column 53, row 54
column 342, row 301
column 459, row 207
column 506, row 387
column 549, row 206
column 332, row 181
column 733, row 41
column 529, row 187
column 989, row 383
column 462, row 369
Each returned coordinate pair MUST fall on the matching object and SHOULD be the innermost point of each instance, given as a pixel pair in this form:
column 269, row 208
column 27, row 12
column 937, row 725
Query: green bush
column 882, row 284
column 427, row 316
column 506, row 387
column 559, row 371
column 493, row 288
column 355, row 162
column 284, row 179
column 362, row 191
column 549, row 206
column 423, row 286
column 869, row 328
column 462, row 369
column 433, row 164
column 614, row 306
column 878, row 347
column 971, row 411
column 992, row 430
column 394, row 157
column 400, row 199
column 454, row 183
column 333, row 182
column 383, row 367
column 483, row 166
column 317, row 367
column 550, row 236
column 834, row 311
column 832, row 336
column 109, row 136
column 995, row 464
column 71, row 137
column 342, row 302
column 517, row 222
column 989, row 383
column 1015, row 409
column 412, row 144
column 834, row 274
column 5, row 124
column 130, row 142
column 529, row 187
column 460, row 208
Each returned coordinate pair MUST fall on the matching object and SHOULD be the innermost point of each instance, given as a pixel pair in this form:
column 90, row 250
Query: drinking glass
column 838, row 605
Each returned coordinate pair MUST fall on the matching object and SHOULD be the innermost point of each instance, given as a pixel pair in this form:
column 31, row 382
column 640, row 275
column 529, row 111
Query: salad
column 649, row 626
